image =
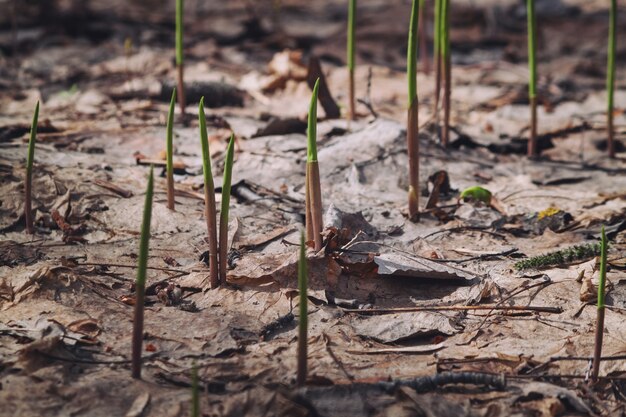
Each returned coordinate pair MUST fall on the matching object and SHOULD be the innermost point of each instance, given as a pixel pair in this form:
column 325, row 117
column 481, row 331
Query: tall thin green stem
column 210, row 212
column 303, row 317
column 597, row 353
column 28, row 182
column 351, row 55
column 170, row 151
column 314, row 222
column 228, row 170
column 412, row 122
column 140, row 283
column 179, row 56
column 437, row 55
column 610, row 77
column 446, row 70
column 532, row 77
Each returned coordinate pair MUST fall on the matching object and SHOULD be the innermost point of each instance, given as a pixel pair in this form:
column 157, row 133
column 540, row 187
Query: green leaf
column 145, row 234
column 532, row 65
column 226, row 185
column 170, row 135
column 179, row 32
column 476, row 193
column 32, row 140
column 206, row 154
column 411, row 55
column 312, row 125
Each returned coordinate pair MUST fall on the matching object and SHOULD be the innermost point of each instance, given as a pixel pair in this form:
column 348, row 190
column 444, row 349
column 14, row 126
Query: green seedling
column 597, row 352
column 446, row 69
column 195, row 393
column 228, row 170
column 209, row 199
column 303, row 318
column 412, row 127
column 28, row 183
column 313, row 190
column 610, row 77
column 476, row 193
column 351, row 56
column 421, row 30
column 532, row 78
column 179, row 56
column 561, row 257
column 140, row 283
column 170, row 151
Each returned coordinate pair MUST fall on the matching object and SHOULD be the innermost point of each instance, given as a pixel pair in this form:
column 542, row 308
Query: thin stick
column 28, row 184
column 539, row 309
column 140, row 286
column 170, row 151
column 446, row 69
column 351, row 56
column 610, row 77
column 315, row 221
column 179, row 56
column 597, row 351
column 303, row 317
column 412, row 117
column 532, row 82
column 228, row 169
column 209, row 199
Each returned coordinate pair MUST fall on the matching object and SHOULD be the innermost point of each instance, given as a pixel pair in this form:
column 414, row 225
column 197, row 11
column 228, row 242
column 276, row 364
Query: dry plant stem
column 228, row 169
column 140, row 285
column 540, row 309
column 597, row 352
column 315, row 192
column 210, row 213
column 170, row 151
column 28, row 183
column 412, row 118
column 532, row 142
column 610, row 78
column 303, row 315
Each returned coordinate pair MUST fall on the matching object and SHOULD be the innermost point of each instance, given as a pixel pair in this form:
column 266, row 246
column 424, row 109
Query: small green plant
column 303, row 317
column 412, row 122
column 446, row 69
column 313, row 190
column 228, row 170
column 140, row 283
column 179, row 56
column 560, row 257
column 597, row 352
column 209, row 198
column 170, row 151
column 532, row 78
column 351, row 55
column 476, row 193
column 28, row 183
column 610, row 77
column 195, row 393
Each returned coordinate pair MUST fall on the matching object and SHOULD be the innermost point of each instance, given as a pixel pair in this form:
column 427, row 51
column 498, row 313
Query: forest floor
column 66, row 295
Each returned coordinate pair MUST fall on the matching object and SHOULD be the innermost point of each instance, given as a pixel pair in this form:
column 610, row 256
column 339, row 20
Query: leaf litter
column 66, row 293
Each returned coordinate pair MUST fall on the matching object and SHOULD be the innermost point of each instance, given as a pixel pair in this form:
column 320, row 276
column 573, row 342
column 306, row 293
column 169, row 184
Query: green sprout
column 532, row 78
column 476, row 193
column 597, row 352
column 179, row 55
column 444, row 38
column 412, row 127
column 610, row 77
column 209, row 198
column 351, row 55
column 140, row 283
column 560, row 257
column 170, row 151
column 303, row 319
column 195, row 393
column 28, row 184
column 228, row 170
column 313, row 202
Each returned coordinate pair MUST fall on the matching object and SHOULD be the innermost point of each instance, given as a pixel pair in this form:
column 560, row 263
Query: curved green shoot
column 170, row 151
column 532, row 77
column 195, row 393
column 226, row 185
column 311, row 131
column 610, row 76
column 209, row 198
column 28, row 183
column 303, row 317
column 411, row 55
column 351, row 55
column 140, row 283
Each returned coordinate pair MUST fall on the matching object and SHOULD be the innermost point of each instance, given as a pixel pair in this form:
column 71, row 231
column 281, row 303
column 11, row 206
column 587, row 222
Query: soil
column 104, row 72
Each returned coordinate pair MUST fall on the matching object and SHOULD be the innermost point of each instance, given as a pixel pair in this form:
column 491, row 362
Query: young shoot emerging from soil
column 209, row 198
column 313, row 202
column 140, row 283
column 412, row 128
column 170, row 151
column 228, row 170
column 28, row 184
